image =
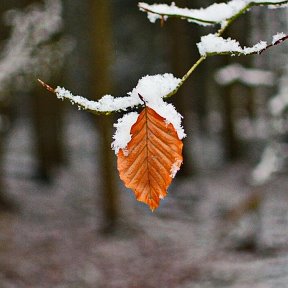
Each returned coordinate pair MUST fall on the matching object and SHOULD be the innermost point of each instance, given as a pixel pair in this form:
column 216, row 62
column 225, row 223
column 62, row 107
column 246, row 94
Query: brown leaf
column 151, row 158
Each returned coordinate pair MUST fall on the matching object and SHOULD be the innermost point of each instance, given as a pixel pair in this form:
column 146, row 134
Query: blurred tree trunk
column 202, row 80
column 6, row 204
column 47, row 120
column 1, row 165
column 231, row 101
column 251, row 103
column 2, row 36
column 250, row 95
column 101, row 36
column 231, row 145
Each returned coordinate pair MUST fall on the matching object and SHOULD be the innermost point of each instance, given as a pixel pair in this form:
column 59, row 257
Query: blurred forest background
column 66, row 219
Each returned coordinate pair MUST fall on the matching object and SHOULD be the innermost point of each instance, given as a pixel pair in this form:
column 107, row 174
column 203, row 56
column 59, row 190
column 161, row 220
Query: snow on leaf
column 122, row 135
column 175, row 168
column 151, row 158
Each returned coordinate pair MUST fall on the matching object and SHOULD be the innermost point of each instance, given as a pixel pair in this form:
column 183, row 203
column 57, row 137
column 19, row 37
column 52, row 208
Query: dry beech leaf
column 151, row 158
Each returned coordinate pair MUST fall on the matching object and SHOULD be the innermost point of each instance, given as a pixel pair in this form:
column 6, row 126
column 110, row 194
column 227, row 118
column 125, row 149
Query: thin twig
column 49, row 88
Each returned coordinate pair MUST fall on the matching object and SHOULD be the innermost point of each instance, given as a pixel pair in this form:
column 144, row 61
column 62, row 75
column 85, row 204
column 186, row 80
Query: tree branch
column 210, row 15
column 108, row 104
column 225, row 25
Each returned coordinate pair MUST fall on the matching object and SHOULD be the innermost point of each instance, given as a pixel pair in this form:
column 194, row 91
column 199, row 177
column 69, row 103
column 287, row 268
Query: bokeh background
column 66, row 220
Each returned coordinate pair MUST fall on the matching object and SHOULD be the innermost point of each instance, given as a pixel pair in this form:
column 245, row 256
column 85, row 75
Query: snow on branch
column 205, row 16
column 29, row 50
column 247, row 76
column 213, row 14
column 151, row 88
column 213, row 44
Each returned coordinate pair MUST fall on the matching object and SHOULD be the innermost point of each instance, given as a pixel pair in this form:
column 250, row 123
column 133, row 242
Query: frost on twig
column 217, row 13
column 29, row 50
column 153, row 90
column 213, row 44
column 211, row 15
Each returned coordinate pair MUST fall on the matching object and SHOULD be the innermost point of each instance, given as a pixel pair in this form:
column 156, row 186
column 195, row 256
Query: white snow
column 257, row 48
column 213, row 44
column 107, row 103
column 277, row 37
column 122, row 135
column 175, row 168
column 215, row 13
column 247, row 76
column 151, row 88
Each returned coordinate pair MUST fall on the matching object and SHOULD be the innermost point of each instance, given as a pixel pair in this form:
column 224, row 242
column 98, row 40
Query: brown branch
column 281, row 40
column 46, row 86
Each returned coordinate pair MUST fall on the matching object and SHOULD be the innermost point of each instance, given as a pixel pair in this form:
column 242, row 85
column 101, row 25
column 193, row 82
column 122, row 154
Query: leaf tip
column 152, row 206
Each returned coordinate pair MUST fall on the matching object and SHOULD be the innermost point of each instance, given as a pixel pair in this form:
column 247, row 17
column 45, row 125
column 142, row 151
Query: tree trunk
column 231, row 144
column 6, row 204
column 47, row 120
column 231, row 103
column 101, row 36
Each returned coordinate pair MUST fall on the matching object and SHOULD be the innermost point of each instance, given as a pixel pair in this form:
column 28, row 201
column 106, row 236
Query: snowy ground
column 54, row 241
